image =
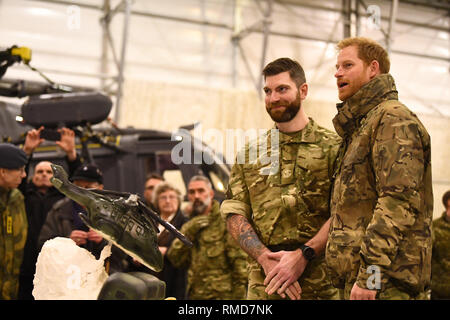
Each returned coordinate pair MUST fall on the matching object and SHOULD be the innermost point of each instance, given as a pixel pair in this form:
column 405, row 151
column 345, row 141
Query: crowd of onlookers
column 215, row 267
column 43, row 213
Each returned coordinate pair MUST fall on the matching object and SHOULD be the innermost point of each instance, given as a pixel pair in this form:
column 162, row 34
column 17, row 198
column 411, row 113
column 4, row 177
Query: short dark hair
column 154, row 176
column 445, row 198
column 286, row 64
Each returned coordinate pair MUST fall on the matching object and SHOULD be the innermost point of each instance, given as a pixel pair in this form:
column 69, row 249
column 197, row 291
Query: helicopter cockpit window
column 176, row 179
column 217, row 182
column 170, row 171
column 218, row 174
column 164, row 161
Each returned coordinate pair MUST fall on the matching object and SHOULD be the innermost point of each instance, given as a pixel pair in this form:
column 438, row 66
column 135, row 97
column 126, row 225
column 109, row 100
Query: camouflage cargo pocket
column 342, row 258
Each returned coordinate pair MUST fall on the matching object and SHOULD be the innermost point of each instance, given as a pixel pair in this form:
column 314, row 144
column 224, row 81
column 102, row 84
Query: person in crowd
column 216, row 265
column 13, row 219
column 63, row 220
column 440, row 263
column 167, row 201
column 40, row 196
column 152, row 181
column 278, row 208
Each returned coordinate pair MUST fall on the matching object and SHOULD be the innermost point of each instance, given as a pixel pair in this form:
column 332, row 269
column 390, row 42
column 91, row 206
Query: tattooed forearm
column 242, row 231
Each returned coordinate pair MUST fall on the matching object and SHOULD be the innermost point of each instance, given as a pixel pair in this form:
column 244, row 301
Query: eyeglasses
column 167, row 197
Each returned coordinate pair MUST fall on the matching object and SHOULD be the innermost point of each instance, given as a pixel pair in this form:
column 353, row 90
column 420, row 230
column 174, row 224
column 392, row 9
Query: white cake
column 64, row 271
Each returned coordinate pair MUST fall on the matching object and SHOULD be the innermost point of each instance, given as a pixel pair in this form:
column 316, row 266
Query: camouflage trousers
column 314, row 282
column 390, row 292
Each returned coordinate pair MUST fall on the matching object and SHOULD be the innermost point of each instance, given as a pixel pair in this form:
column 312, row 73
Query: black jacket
column 61, row 221
column 37, row 205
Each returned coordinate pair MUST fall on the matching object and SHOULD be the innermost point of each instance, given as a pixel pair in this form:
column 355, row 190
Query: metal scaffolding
column 350, row 12
column 263, row 26
column 108, row 46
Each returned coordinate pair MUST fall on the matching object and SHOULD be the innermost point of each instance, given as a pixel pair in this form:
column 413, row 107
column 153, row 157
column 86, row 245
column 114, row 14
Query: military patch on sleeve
column 9, row 225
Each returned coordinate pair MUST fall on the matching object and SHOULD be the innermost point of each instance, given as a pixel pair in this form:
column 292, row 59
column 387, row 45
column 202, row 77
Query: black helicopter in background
column 125, row 155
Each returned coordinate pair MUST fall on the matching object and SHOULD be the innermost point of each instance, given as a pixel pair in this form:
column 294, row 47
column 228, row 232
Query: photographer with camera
column 40, row 196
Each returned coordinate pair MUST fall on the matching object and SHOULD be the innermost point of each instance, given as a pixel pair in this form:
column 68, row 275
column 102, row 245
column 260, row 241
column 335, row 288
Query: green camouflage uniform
column 382, row 201
column 13, row 234
column 440, row 263
column 288, row 207
column 217, row 268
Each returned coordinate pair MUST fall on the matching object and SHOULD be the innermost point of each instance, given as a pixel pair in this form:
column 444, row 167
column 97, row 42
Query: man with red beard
column 380, row 241
column 280, row 217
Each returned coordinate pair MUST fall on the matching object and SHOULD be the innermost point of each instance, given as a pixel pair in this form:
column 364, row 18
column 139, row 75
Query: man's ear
column 303, row 91
column 374, row 68
column 2, row 174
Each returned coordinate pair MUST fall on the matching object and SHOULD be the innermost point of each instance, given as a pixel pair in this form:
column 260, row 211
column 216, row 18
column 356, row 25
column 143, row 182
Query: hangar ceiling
column 225, row 43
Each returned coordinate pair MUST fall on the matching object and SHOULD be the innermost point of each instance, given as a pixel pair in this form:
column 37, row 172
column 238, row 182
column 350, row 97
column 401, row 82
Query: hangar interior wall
column 169, row 106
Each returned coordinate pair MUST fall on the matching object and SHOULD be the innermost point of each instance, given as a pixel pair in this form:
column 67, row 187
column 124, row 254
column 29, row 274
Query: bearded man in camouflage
column 379, row 244
column 217, row 268
column 278, row 210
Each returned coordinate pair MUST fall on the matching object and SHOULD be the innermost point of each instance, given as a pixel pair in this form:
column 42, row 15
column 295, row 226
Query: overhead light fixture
column 442, row 35
column 40, row 11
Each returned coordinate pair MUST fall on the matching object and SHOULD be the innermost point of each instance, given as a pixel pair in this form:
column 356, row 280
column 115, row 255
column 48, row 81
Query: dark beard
column 289, row 112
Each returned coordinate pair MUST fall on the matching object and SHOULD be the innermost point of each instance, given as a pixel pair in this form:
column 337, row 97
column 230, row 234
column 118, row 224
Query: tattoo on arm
column 242, row 231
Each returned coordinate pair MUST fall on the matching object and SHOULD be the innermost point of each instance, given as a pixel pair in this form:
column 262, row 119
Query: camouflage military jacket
column 217, row 267
column 13, row 234
column 440, row 263
column 382, row 200
column 289, row 205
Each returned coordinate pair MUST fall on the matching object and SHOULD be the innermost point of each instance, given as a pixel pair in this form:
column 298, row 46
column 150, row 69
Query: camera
column 50, row 134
